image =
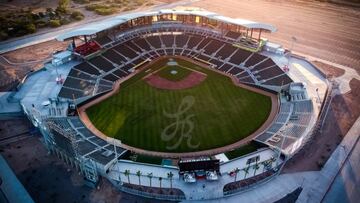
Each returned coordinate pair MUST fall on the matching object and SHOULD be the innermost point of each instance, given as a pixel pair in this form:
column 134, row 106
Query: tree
column 256, row 167
column 265, row 164
column 246, row 171
column 127, row 174
column 150, row 176
column 160, row 179
column 170, row 176
column 271, row 161
column 138, row 173
column 236, row 171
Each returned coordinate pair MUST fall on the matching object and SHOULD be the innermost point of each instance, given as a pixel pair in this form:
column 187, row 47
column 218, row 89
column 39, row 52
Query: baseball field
column 206, row 114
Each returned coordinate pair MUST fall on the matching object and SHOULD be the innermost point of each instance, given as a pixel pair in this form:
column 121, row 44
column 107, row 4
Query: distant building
column 61, row 58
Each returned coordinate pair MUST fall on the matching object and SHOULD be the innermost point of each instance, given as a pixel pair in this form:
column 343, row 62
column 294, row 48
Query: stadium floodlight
column 293, row 40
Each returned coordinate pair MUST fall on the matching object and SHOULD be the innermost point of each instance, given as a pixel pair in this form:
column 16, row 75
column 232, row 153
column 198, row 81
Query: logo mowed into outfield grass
column 213, row 113
column 182, row 127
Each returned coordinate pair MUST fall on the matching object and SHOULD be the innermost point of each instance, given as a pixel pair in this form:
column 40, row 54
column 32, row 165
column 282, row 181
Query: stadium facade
column 112, row 50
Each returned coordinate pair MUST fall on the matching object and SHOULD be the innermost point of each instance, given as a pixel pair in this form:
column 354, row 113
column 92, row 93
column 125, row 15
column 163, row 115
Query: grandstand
column 120, row 59
column 291, row 123
column 75, row 141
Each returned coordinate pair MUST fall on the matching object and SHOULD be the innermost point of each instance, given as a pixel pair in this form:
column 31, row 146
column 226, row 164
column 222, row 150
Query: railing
column 131, row 34
column 251, row 186
column 152, row 195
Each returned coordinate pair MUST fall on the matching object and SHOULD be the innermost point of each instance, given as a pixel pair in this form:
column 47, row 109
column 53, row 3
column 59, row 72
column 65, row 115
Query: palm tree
column 272, row 160
column 127, row 173
column 256, row 167
column 236, row 171
column 138, row 173
column 246, row 171
column 170, row 176
column 160, row 179
column 150, row 176
column 265, row 164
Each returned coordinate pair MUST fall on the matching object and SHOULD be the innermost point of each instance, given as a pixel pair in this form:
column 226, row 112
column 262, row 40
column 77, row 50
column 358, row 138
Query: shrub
column 81, row 1
column 92, row 7
column 54, row 23
column 63, row 6
column 3, row 36
column 320, row 164
column 77, row 15
column 101, row 9
column 49, row 10
column 30, row 28
column 64, row 21
column 40, row 23
column 105, row 11
column 78, row 18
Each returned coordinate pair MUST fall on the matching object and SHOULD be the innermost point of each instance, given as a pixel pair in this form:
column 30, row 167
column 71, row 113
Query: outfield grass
column 144, row 158
column 222, row 113
column 246, row 149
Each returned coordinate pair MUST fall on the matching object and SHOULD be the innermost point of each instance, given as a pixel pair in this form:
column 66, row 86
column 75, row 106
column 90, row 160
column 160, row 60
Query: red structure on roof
column 87, row 48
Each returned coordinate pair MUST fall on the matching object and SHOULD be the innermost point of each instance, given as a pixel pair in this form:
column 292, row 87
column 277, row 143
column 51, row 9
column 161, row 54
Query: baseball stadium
column 175, row 104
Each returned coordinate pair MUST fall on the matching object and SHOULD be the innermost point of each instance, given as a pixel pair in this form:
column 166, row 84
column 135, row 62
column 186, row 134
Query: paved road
column 50, row 34
column 346, row 186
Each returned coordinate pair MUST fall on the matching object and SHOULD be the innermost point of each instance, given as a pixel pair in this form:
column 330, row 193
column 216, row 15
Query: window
column 154, row 19
column 197, row 19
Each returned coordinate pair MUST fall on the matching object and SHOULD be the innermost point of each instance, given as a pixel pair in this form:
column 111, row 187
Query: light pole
column 281, row 146
column 318, row 96
column 293, row 40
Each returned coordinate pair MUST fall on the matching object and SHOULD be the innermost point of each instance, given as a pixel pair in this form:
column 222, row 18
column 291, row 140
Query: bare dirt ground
column 329, row 70
column 16, row 64
column 343, row 112
column 324, row 30
column 45, row 177
column 36, row 52
column 168, row 1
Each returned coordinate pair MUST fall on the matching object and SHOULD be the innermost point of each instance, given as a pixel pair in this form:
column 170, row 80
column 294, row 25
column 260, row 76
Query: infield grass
column 221, row 113
column 181, row 73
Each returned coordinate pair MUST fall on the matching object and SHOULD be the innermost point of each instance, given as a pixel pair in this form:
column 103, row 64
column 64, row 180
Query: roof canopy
column 96, row 27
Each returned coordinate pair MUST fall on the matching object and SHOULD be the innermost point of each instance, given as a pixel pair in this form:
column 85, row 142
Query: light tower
column 293, row 40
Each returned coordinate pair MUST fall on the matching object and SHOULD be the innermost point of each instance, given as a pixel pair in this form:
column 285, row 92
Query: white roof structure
column 94, row 28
